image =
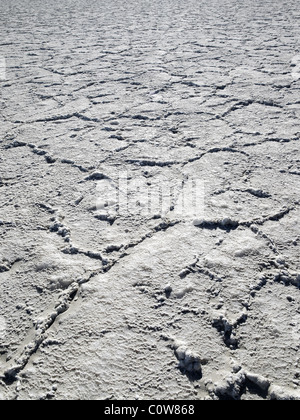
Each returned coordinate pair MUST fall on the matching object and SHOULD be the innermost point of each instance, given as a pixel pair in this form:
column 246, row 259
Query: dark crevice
column 253, row 389
column 228, row 225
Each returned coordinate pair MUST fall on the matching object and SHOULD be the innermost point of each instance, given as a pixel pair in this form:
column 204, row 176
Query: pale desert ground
column 149, row 302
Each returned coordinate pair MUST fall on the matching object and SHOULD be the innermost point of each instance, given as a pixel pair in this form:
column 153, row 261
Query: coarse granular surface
column 110, row 286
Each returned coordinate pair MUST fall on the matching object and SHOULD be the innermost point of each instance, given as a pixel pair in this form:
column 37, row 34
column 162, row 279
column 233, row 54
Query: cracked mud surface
column 99, row 305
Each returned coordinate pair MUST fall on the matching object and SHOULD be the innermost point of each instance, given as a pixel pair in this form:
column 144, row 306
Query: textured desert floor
column 97, row 303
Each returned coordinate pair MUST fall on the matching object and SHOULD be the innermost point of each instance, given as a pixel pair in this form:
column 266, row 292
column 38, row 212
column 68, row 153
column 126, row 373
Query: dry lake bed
column 149, row 199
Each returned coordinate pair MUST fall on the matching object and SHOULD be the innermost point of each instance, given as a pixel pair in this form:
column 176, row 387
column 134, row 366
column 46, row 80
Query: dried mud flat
column 98, row 305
